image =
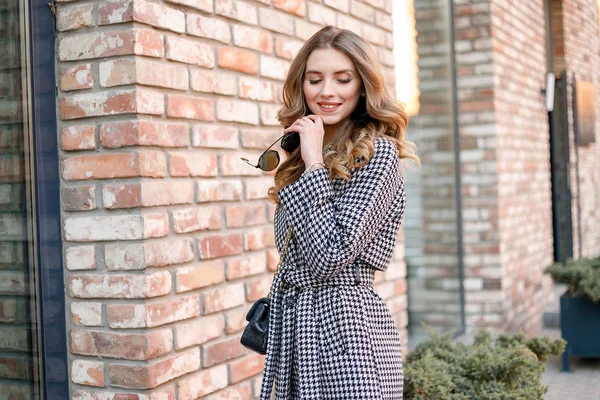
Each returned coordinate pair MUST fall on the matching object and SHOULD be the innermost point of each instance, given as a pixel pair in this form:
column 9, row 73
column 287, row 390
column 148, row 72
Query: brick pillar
column 168, row 234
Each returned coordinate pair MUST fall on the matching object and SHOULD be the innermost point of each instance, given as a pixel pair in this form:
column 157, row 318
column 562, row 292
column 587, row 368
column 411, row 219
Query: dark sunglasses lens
column 269, row 161
column 290, row 142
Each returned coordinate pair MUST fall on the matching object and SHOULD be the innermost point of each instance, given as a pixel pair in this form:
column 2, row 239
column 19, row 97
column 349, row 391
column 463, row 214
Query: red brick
column 89, row 373
column 219, row 190
column 238, row 60
column 152, row 375
column 145, row 72
column 122, row 316
column 223, row 298
column 246, row 265
column 237, row 111
column 239, row 392
column 114, row 12
column 232, row 165
column 362, row 11
column 114, row 102
column 101, row 228
column 272, row 260
column 215, row 136
column 122, row 196
column 124, row 286
column 86, row 313
column 296, row 7
column 188, row 163
column 153, row 164
column 76, row 78
column 80, row 258
column 197, row 219
column 256, row 89
column 257, row 188
column 122, row 165
column 202, row 5
column 245, row 215
column 237, row 10
column 220, row 245
column 166, row 392
column 268, row 115
column 260, row 139
column 259, row 238
column 190, row 52
column 274, row 68
column 131, row 346
column 246, row 367
column 79, row 137
column 137, row 41
column 190, row 107
column 202, row 383
column 144, row 133
column 224, row 350
column 199, row 331
column 74, row 17
column 257, row 288
column 280, row 22
column 161, row 193
column 200, row 275
column 235, row 320
column 252, row 38
column 206, row 27
column 156, row 224
column 287, row 48
column 210, row 81
column 78, row 198
column 168, row 252
column 124, row 257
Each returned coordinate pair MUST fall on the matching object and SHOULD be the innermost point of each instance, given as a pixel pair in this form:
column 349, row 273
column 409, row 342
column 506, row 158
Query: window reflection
column 17, row 324
column 424, row 76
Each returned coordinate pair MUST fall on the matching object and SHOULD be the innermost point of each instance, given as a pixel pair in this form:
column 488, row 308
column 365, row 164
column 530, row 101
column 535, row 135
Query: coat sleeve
column 332, row 232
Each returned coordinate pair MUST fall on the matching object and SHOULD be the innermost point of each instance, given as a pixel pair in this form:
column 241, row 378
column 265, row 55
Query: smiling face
column 332, row 86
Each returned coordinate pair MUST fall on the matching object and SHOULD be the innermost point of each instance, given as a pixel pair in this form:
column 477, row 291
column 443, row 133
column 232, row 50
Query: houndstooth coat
column 331, row 336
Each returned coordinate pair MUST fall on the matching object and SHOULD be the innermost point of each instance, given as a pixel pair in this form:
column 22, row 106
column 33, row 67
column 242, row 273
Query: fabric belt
column 287, row 285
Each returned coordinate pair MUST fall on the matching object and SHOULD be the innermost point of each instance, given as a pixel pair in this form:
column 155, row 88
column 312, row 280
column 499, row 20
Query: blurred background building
column 133, row 239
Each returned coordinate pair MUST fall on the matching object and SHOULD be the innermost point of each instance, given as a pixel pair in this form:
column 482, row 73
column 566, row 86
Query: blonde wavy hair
column 377, row 114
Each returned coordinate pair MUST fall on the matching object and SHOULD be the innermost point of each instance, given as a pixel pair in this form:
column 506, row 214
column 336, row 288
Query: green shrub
column 507, row 368
column 581, row 276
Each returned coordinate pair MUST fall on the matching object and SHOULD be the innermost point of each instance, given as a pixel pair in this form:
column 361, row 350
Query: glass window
column 18, row 355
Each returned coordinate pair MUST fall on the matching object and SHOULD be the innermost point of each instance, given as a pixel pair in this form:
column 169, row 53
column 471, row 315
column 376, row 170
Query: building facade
column 134, row 239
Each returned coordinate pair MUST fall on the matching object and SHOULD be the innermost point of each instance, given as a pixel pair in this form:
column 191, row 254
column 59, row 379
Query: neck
column 330, row 132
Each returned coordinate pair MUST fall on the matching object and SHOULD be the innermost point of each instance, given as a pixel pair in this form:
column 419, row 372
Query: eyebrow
column 312, row 71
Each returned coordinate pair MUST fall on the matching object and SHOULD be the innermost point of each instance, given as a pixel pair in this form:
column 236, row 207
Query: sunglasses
column 269, row 159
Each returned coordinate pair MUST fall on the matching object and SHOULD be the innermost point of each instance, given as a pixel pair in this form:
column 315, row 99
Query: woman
column 342, row 193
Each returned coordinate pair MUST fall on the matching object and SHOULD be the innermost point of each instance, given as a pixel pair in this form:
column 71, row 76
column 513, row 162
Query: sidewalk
column 581, row 383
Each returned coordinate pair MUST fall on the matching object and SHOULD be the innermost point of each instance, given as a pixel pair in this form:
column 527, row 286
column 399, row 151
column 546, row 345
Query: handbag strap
column 281, row 258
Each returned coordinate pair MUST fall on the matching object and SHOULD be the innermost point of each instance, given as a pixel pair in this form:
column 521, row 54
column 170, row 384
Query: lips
column 329, row 107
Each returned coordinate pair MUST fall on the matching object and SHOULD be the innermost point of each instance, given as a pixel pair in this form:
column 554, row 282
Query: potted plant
column 509, row 367
column 579, row 306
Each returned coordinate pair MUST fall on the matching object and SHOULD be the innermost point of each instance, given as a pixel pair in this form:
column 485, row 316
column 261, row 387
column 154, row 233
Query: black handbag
column 256, row 333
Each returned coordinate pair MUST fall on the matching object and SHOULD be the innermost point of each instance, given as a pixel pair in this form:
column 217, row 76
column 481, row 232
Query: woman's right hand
column 311, row 131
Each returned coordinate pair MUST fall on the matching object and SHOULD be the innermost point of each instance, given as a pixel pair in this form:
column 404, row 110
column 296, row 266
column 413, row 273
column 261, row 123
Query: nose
column 327, row 90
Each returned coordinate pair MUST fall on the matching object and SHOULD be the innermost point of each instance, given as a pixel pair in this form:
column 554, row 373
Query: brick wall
column 478, row 132
column 575, row 28
column 523, row 161
column 168, row 235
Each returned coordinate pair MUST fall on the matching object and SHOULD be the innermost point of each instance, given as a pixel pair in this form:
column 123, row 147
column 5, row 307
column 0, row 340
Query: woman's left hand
column 310, row 128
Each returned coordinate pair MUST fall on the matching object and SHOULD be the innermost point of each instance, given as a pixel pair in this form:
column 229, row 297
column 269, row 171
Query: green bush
column 507, row 368
column 581, row 276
